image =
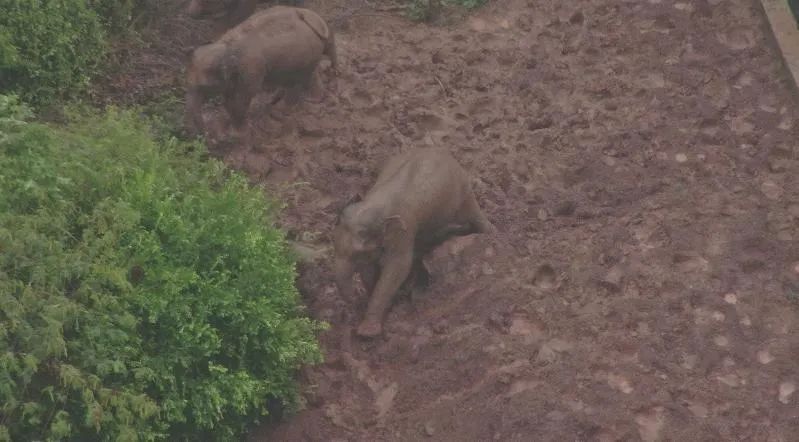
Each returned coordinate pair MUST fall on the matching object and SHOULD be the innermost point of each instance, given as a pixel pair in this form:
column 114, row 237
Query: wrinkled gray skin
column 228, row 12
column 279, row 46
column 420, row 198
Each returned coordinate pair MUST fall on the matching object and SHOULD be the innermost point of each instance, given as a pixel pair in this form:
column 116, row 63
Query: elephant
column 278, row 46
column 420, row 198
column 229, row 12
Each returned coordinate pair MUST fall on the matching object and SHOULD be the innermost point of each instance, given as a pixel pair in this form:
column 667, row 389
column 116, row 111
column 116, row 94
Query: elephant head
column 210, row 71
column 359, row 239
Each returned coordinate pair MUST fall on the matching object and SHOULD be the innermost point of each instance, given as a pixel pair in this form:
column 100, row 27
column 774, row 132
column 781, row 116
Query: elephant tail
column 326, row 35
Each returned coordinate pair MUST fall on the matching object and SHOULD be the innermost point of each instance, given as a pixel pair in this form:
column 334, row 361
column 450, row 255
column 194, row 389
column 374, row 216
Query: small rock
column 429, row 429
column 689, row 362
column 764, row 357
column 721, row 341
column 681, row 158
column 496, row 319
column 731, row 298
column 729, row 380
column 542, row 214
column 698, row 410
column 620, row 383
column 787, row 389
column 546, row 354
column 771, row 190
column 440, row 327
column 613, row 279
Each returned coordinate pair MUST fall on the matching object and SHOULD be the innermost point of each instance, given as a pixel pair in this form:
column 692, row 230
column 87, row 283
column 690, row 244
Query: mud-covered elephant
column 278, row 46
column 420, row 198
column 229, row 13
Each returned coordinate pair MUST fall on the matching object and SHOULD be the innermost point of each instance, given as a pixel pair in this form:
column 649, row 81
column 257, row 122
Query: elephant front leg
column 393, row 273
column 237, row 103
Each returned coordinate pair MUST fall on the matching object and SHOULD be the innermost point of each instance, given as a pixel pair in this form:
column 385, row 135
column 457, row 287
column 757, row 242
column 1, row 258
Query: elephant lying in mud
column 229, row 12
column 420, row 198
column 279, row 46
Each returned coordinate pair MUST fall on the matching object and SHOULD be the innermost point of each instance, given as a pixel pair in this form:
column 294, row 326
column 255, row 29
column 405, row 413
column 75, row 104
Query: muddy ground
column 639, row 159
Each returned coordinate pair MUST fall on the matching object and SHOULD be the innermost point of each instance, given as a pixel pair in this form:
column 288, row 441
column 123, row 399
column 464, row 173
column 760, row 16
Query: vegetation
column 144, row 294
column 48, row 48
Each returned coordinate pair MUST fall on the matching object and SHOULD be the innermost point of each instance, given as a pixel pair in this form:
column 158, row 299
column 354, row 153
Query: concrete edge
column 785, row 36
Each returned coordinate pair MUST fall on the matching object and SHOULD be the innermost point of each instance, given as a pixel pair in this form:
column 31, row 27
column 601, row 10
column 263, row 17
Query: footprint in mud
column 481, row 105
column 428, row 121
column 717, row 92
column 545, row 277
column 687, row 262
column 361, row 98
column 738, row 39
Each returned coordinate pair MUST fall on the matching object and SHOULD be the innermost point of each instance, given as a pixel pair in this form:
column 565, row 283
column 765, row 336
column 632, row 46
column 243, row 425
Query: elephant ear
column 394, row 230
column 356, row 197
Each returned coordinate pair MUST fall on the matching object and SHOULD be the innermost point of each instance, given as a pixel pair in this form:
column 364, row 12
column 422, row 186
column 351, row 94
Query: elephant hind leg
column 475, row 216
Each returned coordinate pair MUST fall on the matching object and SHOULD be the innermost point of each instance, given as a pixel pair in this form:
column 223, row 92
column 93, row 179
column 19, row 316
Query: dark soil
column 639, row 159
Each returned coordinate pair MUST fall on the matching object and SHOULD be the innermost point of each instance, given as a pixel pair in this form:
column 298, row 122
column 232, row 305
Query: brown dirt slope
column 639, row 160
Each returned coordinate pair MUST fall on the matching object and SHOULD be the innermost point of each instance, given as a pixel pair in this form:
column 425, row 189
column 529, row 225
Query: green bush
column 115, row 14
column 144, row 294
column 48, row 48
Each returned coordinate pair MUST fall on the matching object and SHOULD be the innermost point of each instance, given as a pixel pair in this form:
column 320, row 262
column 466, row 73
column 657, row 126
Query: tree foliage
column 144, row 294
column 48, row 48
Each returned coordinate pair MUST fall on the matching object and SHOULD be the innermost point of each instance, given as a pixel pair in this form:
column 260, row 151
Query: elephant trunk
column 344, row 271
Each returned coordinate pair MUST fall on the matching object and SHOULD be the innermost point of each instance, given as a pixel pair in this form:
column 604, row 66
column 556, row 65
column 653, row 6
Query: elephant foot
column 369, row 329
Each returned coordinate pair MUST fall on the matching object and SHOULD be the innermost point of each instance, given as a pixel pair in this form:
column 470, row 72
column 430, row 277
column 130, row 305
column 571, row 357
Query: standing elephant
column 420, row 198
column 279, row 46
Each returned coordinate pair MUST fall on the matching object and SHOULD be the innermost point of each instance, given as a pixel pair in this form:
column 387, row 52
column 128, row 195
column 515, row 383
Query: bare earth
column 639, row 159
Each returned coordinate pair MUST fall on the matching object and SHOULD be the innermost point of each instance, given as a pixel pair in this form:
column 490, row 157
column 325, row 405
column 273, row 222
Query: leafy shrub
column 115, row 14
column 144, row 294
column 48, row 48
column 119, row 15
